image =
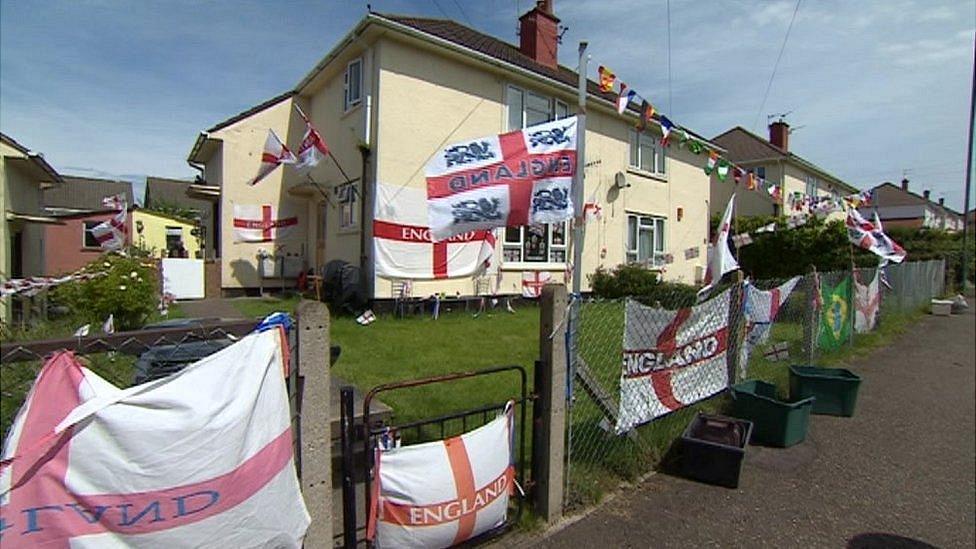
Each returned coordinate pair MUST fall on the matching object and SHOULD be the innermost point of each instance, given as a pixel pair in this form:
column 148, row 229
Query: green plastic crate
column 775, row 422
column 835, row 388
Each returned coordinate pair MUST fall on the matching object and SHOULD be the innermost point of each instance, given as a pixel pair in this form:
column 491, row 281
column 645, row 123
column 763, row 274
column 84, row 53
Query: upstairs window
column 353, row 84
column 526, row 108
column 647, row 154
column 811, row 186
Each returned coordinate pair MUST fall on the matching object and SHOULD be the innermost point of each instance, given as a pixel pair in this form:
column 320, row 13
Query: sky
column 874, row 89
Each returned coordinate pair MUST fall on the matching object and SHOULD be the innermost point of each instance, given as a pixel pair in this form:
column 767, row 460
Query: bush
column 129, row 290
column 644, row 285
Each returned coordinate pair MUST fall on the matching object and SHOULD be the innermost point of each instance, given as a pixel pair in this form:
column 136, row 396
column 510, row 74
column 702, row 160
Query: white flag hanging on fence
column 404, row 247
column 261, row 223
column 189, row 460
column 762, row 306
column 442, row 493
column 866, row 303
column 507, row 180
column 671, row 358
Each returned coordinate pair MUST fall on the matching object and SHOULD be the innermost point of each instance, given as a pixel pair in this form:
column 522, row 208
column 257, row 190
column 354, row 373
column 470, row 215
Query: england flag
column 405, row 248
column 509, row 180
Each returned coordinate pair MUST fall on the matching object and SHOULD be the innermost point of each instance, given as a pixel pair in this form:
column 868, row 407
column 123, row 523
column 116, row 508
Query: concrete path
column 902, row 466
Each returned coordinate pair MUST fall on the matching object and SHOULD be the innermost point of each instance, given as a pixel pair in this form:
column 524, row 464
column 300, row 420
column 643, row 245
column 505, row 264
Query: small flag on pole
column 313, row 147
column 275, row 154
column 109, row 326
column 83, row 331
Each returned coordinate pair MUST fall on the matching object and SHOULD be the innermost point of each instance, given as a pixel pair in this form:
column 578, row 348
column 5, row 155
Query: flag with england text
column 445, row 492
column 404, row 248
column 508, row 180
column 671, row 359
column 867, row 301
column 188, row 460
column 261, row 223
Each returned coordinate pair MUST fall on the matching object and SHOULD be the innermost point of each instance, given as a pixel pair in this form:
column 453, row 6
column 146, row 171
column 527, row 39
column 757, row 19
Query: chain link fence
column 656, row 354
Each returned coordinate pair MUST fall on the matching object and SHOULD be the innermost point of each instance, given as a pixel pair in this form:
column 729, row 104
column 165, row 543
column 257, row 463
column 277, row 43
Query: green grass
column 260, row 307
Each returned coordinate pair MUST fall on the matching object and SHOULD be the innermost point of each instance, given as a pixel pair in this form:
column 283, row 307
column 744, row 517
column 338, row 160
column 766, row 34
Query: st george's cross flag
column 404, row 248
column 671, row 358
column 761, row 308
column 188, row 460
column 871, row 237
column 517, row 178
column 446, row 492
column 275, row 154
column 533, row 282
column 312, row 148
column 260, row 223
column 720, row 261
column 111, row 233
column 867, row 299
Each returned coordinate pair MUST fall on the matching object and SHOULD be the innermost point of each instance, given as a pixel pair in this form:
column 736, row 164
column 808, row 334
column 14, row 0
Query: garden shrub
column 129, row 290
column 641, row 284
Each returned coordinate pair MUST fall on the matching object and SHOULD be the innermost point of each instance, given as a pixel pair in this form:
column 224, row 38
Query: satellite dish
column 620, row 181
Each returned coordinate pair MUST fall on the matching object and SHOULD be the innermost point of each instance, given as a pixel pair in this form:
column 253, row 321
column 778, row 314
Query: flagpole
column 969, row 176
column 332, row 156
column 579, row 179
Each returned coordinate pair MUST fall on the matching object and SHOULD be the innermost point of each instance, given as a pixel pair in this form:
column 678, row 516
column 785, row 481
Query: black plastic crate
column 712, row 448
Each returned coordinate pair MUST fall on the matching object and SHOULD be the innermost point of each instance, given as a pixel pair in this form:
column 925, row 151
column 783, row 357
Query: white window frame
column 557, row 109
column 86, row 231
column 349, row 102
column 659, row 162
column 811, row 181
column 518, row 247
column 349, row 217
column 657, row 225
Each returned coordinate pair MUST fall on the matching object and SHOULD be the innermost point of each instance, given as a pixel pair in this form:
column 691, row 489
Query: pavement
column 900, row 473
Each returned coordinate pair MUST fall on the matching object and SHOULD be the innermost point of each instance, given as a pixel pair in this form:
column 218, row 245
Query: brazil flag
column 835, row 322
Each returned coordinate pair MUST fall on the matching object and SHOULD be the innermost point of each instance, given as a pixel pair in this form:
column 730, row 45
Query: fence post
column 347, row 413
column 813, row 321
column 737, row 327
column 549, row 412
column 315, row 426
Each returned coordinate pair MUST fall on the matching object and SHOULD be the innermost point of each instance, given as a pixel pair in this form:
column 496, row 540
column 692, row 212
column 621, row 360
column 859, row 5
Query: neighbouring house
column 164, row 235
column 78, row 205
column 397, row 88
column 897, row 206
column 175, row 197
column 24, row 175
column 772, row 160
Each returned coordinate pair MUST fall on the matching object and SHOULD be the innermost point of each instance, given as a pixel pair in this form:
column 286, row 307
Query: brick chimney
column 926, row 194
column 779, row 134
column 904, row 184
column 539, row 34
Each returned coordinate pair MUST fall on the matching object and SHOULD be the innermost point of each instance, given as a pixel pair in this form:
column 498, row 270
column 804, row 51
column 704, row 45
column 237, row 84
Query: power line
column 463, row 13
column 441, row 9
column 670, row 108
column 776, row 65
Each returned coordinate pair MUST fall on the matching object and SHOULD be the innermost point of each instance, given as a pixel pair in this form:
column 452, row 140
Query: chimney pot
column 904, row 184
column 942, row 201
column 539, row 34
column 779, row 134
column 926, row 193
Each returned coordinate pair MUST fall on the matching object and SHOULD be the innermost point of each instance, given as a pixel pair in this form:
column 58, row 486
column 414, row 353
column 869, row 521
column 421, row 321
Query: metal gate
column 371, row 429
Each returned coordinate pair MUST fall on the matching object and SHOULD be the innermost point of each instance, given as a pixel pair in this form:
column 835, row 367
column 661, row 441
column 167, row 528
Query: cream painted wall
column 427, row 101
column 796, row 181
column 748, row 203
column 22, row 194
column 153, row 236
column 239, row 158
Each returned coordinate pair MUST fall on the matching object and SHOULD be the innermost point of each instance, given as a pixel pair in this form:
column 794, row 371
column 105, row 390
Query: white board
column 183, row 278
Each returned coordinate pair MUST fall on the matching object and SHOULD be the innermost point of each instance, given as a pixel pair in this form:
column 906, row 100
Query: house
column 165, row 235
column 397, row 88
column 772, row 160
column 78, row 205
column 897, row 206
column 175, row 197
column 24, row 175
